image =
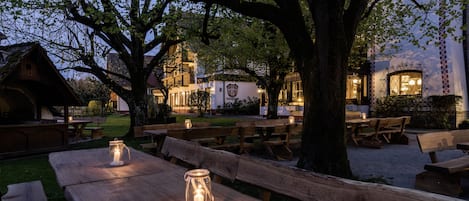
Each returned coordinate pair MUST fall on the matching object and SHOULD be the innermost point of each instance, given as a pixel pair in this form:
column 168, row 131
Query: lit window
column 405, row 83
column 354, row 84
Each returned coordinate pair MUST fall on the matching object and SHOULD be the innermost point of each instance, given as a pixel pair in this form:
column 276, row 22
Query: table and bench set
column 372, row 132
column 274, row 135
column 86, row 175
column 443, row 177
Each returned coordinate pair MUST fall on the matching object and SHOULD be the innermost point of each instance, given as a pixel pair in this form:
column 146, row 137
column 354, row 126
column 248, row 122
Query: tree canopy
column 83, row 33
column 252, row 46
column 320, row 35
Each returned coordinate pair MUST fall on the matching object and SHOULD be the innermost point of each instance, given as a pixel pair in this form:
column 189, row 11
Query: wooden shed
column 30, row 85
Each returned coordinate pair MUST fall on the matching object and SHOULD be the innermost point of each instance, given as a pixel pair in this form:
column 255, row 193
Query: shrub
column 94, row 108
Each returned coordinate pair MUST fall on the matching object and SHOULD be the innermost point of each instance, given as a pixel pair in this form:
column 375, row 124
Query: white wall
column 219, row 94
column 122, row 105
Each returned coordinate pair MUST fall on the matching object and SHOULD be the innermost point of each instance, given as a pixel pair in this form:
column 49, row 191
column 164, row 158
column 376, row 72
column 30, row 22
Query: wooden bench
column 280, row 136
column 222, row 164
column 138, row 130
column 96, row 132
column 390, row 129
column 27, row 191
column 214, row 137
column 292, row 182
column 155, row 144
column 442, row 177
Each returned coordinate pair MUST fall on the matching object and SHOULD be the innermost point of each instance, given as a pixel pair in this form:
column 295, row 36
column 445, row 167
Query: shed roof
column 50, row 88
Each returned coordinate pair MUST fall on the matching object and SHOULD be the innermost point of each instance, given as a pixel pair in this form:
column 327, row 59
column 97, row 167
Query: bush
column 94, row 108
column 431, row 112
column 249, row 106
column 393, row 106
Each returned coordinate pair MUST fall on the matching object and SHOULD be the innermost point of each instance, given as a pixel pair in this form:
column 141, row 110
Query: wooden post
column 66, row 113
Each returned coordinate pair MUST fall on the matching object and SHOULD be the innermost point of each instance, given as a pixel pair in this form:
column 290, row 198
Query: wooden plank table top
column 86, row 175
column 89, row 165
column 27, row 191
column 164, row 186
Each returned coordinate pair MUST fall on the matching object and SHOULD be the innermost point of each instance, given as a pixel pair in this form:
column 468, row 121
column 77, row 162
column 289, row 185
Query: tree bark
column 273, row 91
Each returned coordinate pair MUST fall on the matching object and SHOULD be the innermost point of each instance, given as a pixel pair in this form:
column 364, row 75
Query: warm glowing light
column 412, row 82
column 198, row 185
column 199, row 194
column 188, row 123
column 419, row 82
column 291, row 119
column 116, row 149
column 70, row 118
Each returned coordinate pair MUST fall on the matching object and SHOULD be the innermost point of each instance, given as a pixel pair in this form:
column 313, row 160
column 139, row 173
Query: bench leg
column 439, row 183
column 97, row 134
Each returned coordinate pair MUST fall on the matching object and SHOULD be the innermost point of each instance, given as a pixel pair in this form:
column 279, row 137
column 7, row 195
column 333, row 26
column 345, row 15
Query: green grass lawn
column 36, row 167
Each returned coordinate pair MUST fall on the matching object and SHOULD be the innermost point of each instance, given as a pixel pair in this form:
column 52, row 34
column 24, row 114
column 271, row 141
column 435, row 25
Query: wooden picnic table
column 157, row 137
column 78, row 127
column 355, row 125
column 267, row 139
column 87, row 175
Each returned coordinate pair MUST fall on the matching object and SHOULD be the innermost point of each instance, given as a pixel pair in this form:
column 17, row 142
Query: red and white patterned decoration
column 442, row 48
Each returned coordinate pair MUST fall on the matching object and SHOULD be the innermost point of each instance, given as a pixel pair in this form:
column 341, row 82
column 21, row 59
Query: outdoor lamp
column 188, row 123
column 291, row 119
column 198, row 185
column 116, row 150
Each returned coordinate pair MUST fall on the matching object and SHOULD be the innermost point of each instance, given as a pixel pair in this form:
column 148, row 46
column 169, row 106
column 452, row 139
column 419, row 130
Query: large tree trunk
column 323, row 147
column 137, row 111
column 272, row 105
column 324, row 143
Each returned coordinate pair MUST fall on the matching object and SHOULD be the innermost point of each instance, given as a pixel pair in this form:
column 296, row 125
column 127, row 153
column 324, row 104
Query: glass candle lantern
column 116, row 150
column 198, row 185
column 291, row 119
column 188, row 123
column 363, row 115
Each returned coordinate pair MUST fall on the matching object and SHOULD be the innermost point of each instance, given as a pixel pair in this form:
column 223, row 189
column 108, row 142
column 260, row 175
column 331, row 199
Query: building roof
column 48, row 85
column 115, row 64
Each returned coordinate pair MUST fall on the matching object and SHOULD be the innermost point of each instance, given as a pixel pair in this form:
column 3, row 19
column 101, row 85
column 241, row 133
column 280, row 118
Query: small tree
column 200, row 99
column 251, row 45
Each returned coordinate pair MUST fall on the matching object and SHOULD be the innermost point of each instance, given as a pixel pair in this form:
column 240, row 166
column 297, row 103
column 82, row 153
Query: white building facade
column 439, row 69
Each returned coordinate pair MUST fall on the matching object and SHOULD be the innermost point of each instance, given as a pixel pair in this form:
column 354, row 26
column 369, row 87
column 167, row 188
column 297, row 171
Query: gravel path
column 396, row 164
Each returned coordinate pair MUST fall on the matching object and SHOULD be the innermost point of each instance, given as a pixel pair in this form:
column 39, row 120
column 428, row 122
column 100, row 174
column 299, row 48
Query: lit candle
column 117, row 156
column 363, row 115
column 70, row 118
column 188, row 123
column 291, row 119
column 199, row 194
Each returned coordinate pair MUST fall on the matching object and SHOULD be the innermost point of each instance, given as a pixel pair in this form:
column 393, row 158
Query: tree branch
column 251, row 8
column 369, row 9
